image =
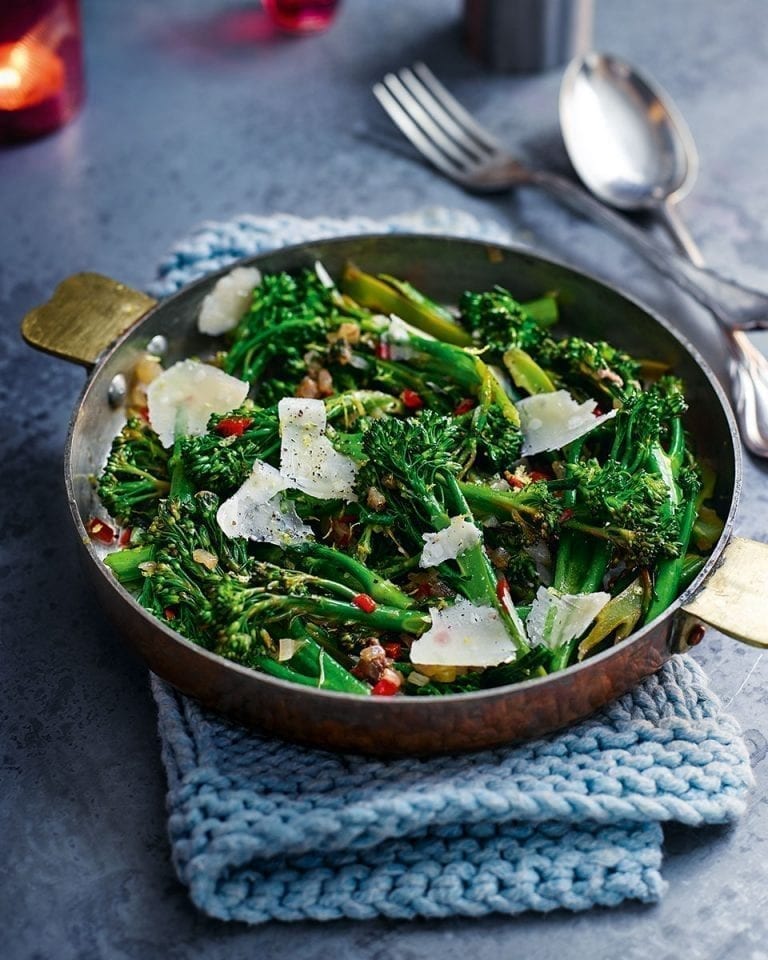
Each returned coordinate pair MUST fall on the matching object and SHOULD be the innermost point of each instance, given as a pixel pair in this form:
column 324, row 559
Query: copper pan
column 104, row 325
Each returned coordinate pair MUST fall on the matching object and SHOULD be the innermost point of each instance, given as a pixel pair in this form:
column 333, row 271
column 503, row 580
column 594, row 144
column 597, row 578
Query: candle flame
column 10, row 79
column 29, row 74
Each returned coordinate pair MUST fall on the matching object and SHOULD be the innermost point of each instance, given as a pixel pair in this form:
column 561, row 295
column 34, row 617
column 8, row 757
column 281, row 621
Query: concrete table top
column 195, row 111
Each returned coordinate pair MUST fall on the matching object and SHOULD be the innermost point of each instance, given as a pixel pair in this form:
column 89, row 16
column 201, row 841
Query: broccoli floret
column 135, row 476
column 596, row 365
column 625, row 508
column 499, row 440
column 498, row 321
column 221, row 459
column 289, row 317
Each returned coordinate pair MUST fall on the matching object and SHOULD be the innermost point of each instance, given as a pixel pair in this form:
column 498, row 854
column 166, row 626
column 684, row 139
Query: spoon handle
column 745, row 308
column 667, row 213
column 749, row 387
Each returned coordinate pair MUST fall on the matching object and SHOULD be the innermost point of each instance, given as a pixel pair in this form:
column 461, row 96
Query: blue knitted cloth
column 264, row 830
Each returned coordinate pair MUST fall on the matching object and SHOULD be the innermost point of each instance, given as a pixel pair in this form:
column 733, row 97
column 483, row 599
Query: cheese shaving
column 550, row 421
column 181, row 400
column 255, row 510
column 556, row 618
column 449, row 543
column 226, row 304
column 308, row 459
column 464, row 635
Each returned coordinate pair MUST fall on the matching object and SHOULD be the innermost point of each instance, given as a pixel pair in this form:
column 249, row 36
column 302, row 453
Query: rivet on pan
column 158, row 346
column 118, row 390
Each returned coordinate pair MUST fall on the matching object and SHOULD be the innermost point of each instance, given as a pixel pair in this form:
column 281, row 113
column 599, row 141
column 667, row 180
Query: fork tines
column 434, row 121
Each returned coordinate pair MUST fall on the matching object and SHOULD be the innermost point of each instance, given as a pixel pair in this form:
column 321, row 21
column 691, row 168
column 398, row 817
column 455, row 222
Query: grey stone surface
column 187, row 121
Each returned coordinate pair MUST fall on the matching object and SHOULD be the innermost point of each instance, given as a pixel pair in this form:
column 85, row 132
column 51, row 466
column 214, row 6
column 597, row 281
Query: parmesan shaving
column 556, row 618
column 550, row 421
column 256, row 513
column 464, row 635
column 308, row 459
column 223, row 308
column 181, row 400
column 450, row 542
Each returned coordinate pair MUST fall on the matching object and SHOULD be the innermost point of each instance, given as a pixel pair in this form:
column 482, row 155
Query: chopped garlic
column 256, row 513
column 182, row 399
column 464, row 635
column 205, row 558
column 556, row 618
column 223, row 308
column 550, row 421
column 308, row 459
column 450, row 542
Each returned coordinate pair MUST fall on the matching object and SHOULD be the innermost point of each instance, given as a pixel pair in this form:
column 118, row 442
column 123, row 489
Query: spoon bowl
column 624, row 137
column 627, row 141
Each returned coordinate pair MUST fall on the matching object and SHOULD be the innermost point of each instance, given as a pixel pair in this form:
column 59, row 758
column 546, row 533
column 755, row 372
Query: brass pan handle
column 733, row 599
column 86, row 313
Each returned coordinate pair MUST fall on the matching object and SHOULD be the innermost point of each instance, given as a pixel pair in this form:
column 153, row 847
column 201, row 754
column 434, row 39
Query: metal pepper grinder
column 527, row 36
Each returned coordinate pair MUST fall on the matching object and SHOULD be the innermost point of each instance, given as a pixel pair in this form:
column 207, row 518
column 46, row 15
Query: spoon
column 633, row 150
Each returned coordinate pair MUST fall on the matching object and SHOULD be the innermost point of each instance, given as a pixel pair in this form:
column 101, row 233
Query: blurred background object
column 301, row 16
column 41, row 73
column 526, row 36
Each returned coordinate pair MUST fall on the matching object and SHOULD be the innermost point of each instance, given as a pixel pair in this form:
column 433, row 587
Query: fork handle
column 732, row 304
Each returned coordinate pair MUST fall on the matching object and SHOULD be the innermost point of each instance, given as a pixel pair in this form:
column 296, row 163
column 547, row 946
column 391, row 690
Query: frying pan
column 105, row 326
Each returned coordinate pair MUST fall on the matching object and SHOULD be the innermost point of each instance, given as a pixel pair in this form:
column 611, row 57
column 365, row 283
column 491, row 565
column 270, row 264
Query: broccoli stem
column 692, row 566
column 526, row 373
column 338, row 611
column 479, row 583
column 182, row 487
column 669, row 572
column 314, row 661
column 265, row 663
column 382, row 295
column 580, row 565
column 126, row 564
column 543, row 310
column 334, row 561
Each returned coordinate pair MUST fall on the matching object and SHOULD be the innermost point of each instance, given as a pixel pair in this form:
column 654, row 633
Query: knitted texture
column 263, row 830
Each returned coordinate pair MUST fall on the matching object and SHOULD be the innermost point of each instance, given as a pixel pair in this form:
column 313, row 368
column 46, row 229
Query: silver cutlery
column 631, row 147
column 447, row 135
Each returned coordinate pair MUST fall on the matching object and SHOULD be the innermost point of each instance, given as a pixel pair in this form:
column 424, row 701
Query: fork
column 447, row 135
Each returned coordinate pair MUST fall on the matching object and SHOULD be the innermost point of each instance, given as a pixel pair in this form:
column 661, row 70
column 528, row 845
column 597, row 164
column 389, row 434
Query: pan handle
column 86, row 313
column 733, row 599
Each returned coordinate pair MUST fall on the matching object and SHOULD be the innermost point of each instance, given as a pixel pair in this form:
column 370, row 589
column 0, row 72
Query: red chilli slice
column 393, row 650
column 384, row 688
column 364, row 602
column 465, row 406
column 100, row 531
column 233, row 426
column 411, row 399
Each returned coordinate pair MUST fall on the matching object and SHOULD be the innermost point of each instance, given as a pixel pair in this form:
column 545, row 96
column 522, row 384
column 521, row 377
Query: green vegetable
column 135, row 476
column 426, row 410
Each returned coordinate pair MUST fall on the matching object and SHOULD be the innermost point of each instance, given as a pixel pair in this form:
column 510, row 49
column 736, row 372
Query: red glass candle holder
column 301, row 16
column 41, row 71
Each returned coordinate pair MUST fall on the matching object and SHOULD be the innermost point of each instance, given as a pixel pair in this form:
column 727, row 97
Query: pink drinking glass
column 41, row 72
column 301, row 16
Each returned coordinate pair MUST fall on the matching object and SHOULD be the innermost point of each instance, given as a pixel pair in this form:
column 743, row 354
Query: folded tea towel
column 262, row 829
